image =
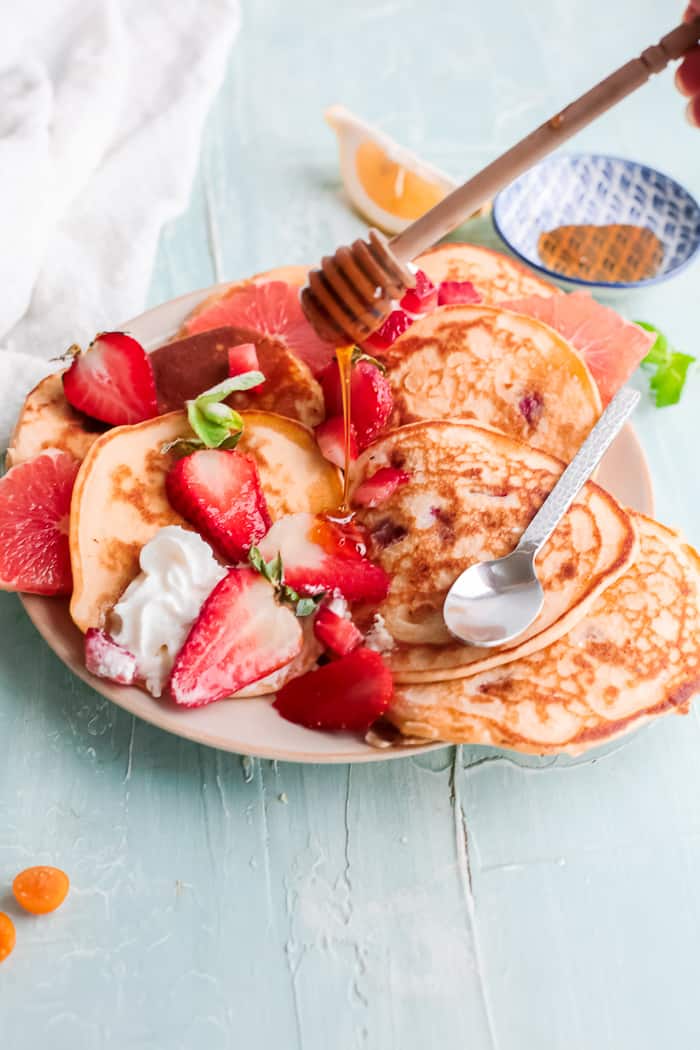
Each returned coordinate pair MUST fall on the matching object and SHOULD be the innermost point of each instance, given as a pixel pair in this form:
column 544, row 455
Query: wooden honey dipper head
column 353, row 290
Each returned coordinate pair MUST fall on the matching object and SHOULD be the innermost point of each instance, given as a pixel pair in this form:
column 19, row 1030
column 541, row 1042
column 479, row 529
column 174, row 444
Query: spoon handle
column 578, row 471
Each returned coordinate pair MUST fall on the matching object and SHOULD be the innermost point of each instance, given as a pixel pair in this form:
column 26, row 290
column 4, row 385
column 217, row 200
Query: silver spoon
column 493, row 602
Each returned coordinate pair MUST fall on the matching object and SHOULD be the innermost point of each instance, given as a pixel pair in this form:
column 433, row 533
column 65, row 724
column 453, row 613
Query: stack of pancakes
column 489, row 405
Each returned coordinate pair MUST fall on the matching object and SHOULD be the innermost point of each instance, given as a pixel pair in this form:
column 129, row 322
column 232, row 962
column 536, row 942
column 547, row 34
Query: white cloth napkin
column 102, row 104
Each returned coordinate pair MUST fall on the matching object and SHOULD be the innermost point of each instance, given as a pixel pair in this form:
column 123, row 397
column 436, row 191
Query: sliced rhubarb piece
column 378, row 488
column 241, row 635
column 331, row 440
column 453, row 292
column 112, row 380
column 244, row 358
column 371, row 401
column 319, row 555
column 421, row 299
column 219, row 492
column 336, row 633
column 35, row 498
column 350, row 693
column 389, row 330
column 106, row 659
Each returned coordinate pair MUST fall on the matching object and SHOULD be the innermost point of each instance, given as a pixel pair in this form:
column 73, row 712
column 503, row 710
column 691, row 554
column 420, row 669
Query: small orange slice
column 7, row 935
column 41, row 889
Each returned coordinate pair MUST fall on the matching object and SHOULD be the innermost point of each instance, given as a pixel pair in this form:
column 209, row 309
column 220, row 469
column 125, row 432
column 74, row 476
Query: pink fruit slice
column 34, row 516
column 271, row 308
column 611, row 346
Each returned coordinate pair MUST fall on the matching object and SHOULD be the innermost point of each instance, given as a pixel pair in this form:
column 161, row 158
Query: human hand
column 688, row 72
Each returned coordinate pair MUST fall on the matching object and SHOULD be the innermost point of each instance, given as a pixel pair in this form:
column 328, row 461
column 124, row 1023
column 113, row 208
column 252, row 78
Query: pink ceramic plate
column 252, row 727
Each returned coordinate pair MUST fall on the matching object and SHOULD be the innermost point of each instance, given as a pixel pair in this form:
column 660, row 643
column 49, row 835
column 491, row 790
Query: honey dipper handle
column 456, row 207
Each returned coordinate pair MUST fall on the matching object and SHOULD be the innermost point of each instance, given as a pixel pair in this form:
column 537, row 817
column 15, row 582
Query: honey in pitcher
column 612, row 253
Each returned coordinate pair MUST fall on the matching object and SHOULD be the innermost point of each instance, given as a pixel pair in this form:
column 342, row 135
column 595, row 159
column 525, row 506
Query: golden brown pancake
column 48, row 421
column 495, row 276
column 119, row 500
column 186, row 367
column 634, row 656
column 471, row 494
column 499, row 369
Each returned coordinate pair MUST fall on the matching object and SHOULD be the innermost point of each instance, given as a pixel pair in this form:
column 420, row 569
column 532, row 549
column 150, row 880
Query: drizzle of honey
column 612, row 253
column 344, row 357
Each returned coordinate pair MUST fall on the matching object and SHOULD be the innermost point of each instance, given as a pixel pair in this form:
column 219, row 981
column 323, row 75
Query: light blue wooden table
column 463, row 899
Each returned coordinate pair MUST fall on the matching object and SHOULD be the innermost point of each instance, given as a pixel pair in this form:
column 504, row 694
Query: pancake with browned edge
column 495, row 276
column 498, row 369
column 470, row 495
column 634, row 656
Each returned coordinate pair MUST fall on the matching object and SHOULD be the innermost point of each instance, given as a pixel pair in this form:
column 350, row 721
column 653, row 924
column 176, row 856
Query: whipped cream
column 378, row 637
column 157, row 609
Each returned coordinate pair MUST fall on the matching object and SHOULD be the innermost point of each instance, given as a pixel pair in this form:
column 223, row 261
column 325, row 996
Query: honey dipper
column 352, row 291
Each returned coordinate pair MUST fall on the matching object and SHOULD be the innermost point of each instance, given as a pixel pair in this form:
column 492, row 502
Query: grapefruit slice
column 35, row 499
column 271, row 308
column 611, row 346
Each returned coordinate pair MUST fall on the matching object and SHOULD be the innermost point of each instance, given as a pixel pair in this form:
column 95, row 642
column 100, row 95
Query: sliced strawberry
column 453, row 292
column 219, row 492
column 336, row 633
column 272, row 308
column 241, row 635
column 34, row 517
column 112, row 380
column 244, row 358
column 421, row 299
column 350, row 693
column 319, row 555
column 389, row 331
column 331, row 440
column 106, row 659
column 379, row 487
column 371, row 401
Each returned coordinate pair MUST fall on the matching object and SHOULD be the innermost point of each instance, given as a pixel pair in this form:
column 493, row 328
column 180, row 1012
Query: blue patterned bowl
column 590, row 188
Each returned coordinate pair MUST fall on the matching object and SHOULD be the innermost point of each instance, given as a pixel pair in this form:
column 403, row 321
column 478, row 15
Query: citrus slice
column 611, row 346
column 271, row 308
column 35, row 499
column 386, row 183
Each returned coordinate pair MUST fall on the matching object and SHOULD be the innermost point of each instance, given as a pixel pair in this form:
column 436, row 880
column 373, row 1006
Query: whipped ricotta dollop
column 157, row 609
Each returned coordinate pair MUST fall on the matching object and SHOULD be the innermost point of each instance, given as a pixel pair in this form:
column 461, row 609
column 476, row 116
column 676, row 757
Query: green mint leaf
column 669, row 365
column 306, row 606
column 213, row 432
column 669, row 380
column 230, row 386
column 182, row 446
column 359, row 355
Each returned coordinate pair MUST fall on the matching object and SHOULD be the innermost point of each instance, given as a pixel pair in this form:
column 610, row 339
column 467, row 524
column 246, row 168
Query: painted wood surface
column 463, row 899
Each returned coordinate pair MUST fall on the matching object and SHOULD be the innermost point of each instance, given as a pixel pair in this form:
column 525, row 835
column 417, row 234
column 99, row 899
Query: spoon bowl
column 493, row 602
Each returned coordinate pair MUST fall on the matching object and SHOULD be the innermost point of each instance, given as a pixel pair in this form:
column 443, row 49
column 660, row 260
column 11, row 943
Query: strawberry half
column 377, row 489
column 389, row 331
column 318, row 555
column 219, row 492
column 244, row 358
column 371, row 401
column 336, row 633
column 35, row 501
column 350, row 693
column 106, row 659
column 331, row 440
column 240, row 636
column 452, row 292
column 112, row 380
column 421, row 299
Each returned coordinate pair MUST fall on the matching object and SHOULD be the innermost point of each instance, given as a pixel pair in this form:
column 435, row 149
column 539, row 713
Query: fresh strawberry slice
column 244, row 358
column 421, row 299
column 106, row 659
column 331, row 440
column 389, row 331
column 112, row 380
column 241, row 635
column 271, row 308
column 350, row 693
column 371, row 401
column 34, row 516
column 219, row 492
column 378, row 488
column 319, row 555
column 336, row 633
column 453, row 292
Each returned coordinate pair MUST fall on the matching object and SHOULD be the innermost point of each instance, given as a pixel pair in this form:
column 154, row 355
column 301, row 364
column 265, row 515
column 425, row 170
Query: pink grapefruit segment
column 611, row 346
column 34, row 514
column 271, row 308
